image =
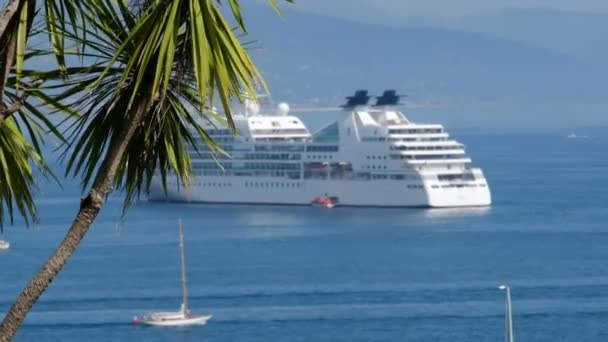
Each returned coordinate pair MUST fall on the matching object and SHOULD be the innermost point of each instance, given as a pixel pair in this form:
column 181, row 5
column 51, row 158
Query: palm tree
column 146, row 63
column 22, row 122
column 17, row 154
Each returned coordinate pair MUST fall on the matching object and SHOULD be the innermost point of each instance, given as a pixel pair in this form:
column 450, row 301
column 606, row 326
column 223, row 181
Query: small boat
column 183, row 317
column 508, row 314
column 576, row 136
column 324, row 202
column 172, row 319
column 4, row 244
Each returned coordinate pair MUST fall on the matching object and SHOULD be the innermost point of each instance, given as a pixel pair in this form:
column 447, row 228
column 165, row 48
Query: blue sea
column 347, row 274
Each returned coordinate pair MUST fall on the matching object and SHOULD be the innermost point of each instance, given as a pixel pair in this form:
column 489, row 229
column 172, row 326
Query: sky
column 440, row 8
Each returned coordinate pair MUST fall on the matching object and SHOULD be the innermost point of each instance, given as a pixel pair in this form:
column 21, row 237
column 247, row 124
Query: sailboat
column 508, row 314
column 4, row 244
column 183, row 317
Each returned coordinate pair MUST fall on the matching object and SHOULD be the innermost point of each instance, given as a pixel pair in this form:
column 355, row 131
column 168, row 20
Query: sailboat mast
column 183, row 261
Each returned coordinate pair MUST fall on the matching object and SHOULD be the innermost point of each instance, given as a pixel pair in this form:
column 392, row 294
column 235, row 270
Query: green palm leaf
column 178, row 55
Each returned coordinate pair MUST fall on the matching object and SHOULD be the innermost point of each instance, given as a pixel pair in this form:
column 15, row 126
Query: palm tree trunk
column 8, row 39
column 89, row 209
column 9, row 25
column 8, row 12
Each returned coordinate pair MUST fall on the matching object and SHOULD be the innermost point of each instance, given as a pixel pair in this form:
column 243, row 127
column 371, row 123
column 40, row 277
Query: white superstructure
column 370, row 156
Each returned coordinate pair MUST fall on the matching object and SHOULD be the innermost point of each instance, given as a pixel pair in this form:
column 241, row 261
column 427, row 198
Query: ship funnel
column 359, row 99
column 388, row 98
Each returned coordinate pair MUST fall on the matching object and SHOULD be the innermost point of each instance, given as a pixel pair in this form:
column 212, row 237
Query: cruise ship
column 372, row 155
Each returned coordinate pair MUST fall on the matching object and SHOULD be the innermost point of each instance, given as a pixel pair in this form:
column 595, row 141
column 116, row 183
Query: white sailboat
column 182, row 317
column 508, row 314
column 4, row 244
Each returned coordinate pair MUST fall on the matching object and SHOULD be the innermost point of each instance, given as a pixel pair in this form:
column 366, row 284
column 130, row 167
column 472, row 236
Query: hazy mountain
column 584, row 35
column 311, row 59
column 580, row 34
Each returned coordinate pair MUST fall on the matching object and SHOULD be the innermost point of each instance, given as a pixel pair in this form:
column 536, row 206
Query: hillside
column 315, row 56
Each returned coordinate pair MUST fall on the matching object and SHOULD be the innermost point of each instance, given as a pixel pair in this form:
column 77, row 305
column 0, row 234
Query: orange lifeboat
column 324, row 202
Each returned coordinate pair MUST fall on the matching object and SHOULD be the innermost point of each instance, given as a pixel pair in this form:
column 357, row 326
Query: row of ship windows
column 458, row 177
column 425, row 148
column 266, row 156
column 271, row 185
column 359, row 176
column 415, row 131
column 272, row 166
column 271, row 156
column 251, row 156
column 416, row 139
column 211, row 173
column 217, row 185
column 374, row 167
column 270, row 148
column 373, row 139
column 414, row 186
column 323, row 174
column 280, row 148
column 308, row 174
column 297, row 185
column 322, row 148
column 394, row 177
column 251, row 173
column 280, row 131
column 283, row 148
column 377, row 139
column 273, row 123
column 320, row 157
column 247, row 166
column 313, row 157
column 430, row 156
column 458, row 186
column 278, row 139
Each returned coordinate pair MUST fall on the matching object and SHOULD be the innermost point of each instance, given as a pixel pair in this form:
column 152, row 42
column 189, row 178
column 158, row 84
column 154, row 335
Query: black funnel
column 388, row 98
column 359, row 99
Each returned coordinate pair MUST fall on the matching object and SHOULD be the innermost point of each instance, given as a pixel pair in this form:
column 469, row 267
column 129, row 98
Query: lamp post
column 508, row 314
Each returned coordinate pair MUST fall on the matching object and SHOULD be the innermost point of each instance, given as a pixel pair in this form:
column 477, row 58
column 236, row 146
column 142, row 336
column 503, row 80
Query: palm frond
column 176, row 55
column 23, row 133
column 17, row 178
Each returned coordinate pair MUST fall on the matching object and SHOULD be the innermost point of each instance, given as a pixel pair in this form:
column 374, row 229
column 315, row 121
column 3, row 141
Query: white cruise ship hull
column 349, row 193
column 370, row 156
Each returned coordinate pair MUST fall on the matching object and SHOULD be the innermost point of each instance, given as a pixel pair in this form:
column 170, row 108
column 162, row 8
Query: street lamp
column 508, row 314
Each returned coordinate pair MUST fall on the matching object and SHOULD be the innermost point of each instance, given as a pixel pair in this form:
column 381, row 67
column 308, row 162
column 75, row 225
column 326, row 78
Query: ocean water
column 306, row 274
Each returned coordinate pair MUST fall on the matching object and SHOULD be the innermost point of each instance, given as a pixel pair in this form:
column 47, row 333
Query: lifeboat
column 324, row 202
